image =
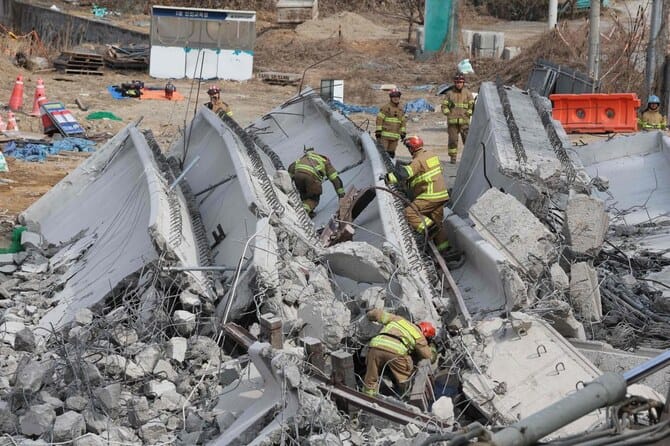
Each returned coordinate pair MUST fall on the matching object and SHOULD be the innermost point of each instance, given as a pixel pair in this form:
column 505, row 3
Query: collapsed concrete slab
column 519, row 357
column 116, row 218
column 514, row 145
column 306, row 121
column 515, row 231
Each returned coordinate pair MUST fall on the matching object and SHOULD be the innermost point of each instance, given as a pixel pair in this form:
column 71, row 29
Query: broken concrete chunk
column 8, row 331
column 51, row 400
column 359, row 261
column 514, row 230
column 7, row 259
column 84, row 371
column 230, row 371
column 8, row 269
column 153, row 433
column 89, row 440
column 164, row 370
column 326, row 320
column 31, row 240
column 586, row 223
column 83, row 317
column 265, row 261
column 443, row 408
column 154, row 388
column 124, row 336
column 119, row 435
column 176, row 349
column 29, row 376
column 139, row 412
column 25, row 340
column 147, row 358
column 585, row 292
column 110, row 397
column 69, row 426
column 76, row 402
column 560, row 314
column 189, row 300
column 37, row 420
column 184, row 322
column 559, row 278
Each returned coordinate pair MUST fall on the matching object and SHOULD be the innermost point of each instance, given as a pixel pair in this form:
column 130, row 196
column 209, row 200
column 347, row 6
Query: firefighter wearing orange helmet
column 391, row 121
column 428, row 189
column 215, row 103
column 457, row 106
column 393, row 348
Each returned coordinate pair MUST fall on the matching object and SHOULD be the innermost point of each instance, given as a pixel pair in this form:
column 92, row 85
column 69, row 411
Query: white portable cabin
column 202, row 43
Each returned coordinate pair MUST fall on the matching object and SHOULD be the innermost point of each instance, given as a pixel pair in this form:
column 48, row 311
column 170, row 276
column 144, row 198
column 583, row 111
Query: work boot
column 453, row 159
column 454, row 258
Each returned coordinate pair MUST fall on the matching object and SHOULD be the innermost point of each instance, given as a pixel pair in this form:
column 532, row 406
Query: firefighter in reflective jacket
column 308, row 173
column 652, row 118
column 393, row 347
column 428, row 189
column 457, row 106
column 215, row 103
column 391, row 122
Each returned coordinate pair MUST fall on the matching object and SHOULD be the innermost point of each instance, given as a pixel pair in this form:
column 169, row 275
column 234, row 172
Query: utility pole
column 653, row 49
column 553, row 13
column 594, row 42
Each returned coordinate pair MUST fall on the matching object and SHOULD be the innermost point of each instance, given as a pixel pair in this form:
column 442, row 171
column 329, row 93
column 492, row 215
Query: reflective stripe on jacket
column 458, row 106
column 425, row 178
column 398, row 335
column 391, row 121
column 652, row 119
column 319, row 167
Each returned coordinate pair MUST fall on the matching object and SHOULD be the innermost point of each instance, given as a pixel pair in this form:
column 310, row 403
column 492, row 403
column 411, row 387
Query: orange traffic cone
column 39, row 100
column 11, row 122
column 16, row 100
column 39, row 90
column 3, row 126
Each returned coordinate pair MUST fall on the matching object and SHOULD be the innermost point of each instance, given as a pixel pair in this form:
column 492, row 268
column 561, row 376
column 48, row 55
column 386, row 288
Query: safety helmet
column 213, row 89
column 459, row 77
column 413, row 143
column 653, row 99
column 395, row 93
column 427, row 329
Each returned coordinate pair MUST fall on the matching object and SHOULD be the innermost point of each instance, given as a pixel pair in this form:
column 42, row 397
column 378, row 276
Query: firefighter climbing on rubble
column 428, row 189
column 308, row 173
column 391, row 122
column 652, row 118
column 457, row 106
column 393, row 347
column 215, row 103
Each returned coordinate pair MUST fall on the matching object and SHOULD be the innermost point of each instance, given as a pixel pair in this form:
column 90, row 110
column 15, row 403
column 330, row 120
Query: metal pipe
column 183, row 174
column 594, row 42
column 198, row 268
column 647, row 368
column 553, row 13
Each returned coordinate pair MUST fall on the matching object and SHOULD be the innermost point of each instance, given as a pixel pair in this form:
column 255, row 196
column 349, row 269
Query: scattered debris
column 79, row 62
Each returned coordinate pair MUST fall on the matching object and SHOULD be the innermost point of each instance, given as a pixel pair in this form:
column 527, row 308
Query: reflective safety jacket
column 320, row 168
column 391, row 121
column 458, row 106
column 398, row 335
column 424, row 176
column 652, row 119
column 219, row 106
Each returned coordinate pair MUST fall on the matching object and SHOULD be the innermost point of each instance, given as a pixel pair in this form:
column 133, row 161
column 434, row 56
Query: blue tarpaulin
column 39, row 152
column 346, row 109
column 418, row 106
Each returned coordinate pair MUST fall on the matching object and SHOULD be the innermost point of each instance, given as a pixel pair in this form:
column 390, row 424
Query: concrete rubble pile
column 187, row 297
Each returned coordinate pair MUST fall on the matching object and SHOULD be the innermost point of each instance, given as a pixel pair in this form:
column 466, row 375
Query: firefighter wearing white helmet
column 391, row 122
column 215, row 103
column 652, row 118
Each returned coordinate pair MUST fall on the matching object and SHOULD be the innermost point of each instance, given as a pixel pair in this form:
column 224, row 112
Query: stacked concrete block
column 479, row 44
column 585, row 292
column 586, row 223
column 514, row 230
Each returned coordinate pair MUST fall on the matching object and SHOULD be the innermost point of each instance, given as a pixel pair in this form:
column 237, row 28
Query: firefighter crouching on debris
column 652, row 118
column 308, row 173
column 215, row 103
column 391, row 122
column 428, row 189
column 393, row 347
column 457, row 106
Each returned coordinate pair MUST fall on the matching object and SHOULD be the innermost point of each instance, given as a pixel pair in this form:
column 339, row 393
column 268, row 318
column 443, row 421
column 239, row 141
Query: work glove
column 378, row 134
column 390, row 178
column 433, row 351
column 402, row 136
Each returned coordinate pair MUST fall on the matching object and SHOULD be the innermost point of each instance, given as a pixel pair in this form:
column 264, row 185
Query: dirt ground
column 362, row 49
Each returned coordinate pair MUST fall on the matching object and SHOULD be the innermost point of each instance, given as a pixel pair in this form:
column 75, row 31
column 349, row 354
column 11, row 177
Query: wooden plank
column 71, row 71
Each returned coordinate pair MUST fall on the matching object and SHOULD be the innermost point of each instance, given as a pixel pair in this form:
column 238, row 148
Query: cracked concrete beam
column 139, row 222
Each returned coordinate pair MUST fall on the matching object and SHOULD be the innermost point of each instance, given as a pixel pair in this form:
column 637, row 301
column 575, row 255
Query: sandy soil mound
column 351, row 25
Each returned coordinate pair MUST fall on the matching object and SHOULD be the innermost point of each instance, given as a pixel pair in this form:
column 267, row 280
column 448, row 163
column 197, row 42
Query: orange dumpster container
column 597, row 112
